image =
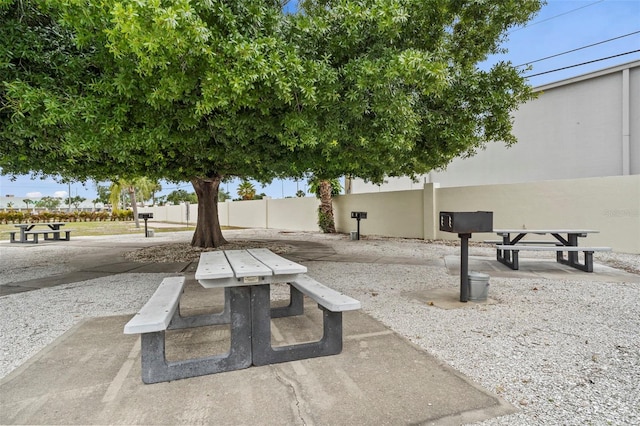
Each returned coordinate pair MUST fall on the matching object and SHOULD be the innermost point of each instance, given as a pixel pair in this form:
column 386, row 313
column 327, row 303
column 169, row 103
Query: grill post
column 464, row 267
column 465, row 223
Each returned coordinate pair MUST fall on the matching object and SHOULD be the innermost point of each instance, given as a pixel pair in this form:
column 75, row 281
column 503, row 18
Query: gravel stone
column 561, row 351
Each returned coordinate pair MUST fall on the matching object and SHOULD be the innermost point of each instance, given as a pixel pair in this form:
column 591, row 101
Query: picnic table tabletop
column 229, row 268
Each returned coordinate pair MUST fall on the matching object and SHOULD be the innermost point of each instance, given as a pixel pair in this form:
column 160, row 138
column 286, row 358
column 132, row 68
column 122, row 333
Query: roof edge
column 589, row 75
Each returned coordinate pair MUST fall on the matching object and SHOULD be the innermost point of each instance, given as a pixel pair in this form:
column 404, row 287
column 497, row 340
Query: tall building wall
column 587, row 126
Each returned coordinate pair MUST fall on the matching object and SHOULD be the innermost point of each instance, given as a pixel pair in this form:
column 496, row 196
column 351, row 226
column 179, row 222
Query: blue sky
column 560, row 26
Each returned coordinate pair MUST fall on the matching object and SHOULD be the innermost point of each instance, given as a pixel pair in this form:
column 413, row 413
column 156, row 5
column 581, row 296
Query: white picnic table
column 564, row 240
column 27, row 229
column 246, row 276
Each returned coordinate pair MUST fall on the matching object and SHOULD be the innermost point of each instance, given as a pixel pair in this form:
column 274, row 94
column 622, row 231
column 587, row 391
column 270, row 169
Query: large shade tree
column 210, row 90
column 410, row 95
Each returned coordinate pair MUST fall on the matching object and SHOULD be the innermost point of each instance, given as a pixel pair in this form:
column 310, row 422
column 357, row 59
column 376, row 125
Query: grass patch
column 83, row 229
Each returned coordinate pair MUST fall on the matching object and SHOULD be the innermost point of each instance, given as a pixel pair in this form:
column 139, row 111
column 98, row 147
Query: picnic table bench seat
column 157, row 313
column 526, row 247
column 162, row 313
column 45, row 233
column 514, row 249
column 326, row 297
column 331, row 302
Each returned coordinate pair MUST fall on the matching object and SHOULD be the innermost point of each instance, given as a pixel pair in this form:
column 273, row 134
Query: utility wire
column 583, row 63
column 555, row 16
column 575, row 50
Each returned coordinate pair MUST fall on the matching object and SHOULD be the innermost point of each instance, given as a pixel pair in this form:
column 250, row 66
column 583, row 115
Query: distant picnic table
column 27, row 229
column 565, row 240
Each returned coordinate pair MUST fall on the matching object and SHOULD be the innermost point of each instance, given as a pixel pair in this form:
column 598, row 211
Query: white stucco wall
column 398, row 214
column 610, row 205
column 588, row 126
column 293, row 214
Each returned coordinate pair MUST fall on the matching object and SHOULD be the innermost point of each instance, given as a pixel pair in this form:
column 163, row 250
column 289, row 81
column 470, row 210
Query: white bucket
column 478, row 286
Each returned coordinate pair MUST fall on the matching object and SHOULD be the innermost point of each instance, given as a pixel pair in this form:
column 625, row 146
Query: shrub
column 325, row 222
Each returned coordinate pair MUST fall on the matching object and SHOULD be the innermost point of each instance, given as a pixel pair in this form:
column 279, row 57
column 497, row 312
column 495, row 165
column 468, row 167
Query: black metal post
column 464, row 266
column 146, row 234
column 358, row 233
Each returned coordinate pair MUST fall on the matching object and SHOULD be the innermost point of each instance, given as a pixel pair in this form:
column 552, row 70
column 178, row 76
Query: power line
column 579, row 48
column 583, row 63
column 555, row 16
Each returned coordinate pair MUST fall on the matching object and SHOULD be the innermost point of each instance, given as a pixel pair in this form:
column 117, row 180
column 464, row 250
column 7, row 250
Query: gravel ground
column 563, row 352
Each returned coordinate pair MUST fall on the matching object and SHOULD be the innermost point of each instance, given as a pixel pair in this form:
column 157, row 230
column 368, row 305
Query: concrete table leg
column 156, row 368
column 264, row 353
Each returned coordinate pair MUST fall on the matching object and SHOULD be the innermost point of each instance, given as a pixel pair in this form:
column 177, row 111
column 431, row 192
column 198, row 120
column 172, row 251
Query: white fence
column 608, row 204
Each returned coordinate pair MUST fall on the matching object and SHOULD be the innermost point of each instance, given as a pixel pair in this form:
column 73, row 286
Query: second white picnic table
column 25, row 228
column 504, row 254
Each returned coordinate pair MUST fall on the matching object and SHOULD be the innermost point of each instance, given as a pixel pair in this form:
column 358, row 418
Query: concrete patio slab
column 91, row 375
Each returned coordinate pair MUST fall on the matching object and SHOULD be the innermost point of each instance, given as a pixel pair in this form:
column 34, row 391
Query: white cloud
column 60, row 194
column 34, row 194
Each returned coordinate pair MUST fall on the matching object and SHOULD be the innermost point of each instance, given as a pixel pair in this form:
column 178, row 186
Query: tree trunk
column 208, row 232
column 134, row 205
column 327, row 222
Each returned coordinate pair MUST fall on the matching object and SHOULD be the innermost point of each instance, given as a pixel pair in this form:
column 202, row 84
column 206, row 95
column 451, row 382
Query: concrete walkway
column 91, row 375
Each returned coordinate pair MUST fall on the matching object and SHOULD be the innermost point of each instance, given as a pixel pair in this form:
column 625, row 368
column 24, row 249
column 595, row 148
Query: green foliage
column 179, row 196
column 126, row 191
column 76, row 201
column 223, row 196
column 122, row 215
column 211, row 90
column 366, row 89
column 104, row 194
column 246, row 190
column 46, row 216
column 11, row 216
column 49, row 203
column 325, row 222
column 314, row 186
column 145, row 187
column 407, row 94
column 93, row 216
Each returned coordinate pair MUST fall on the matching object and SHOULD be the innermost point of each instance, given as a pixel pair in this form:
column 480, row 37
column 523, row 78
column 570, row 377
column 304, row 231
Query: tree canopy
column 180, row 195
column 408, row 94
column 206, row 90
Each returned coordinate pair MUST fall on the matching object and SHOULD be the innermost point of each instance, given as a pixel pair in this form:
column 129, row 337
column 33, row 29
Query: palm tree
column 156, row 188
column 246, row 190
column 27, row 202
column 142, row 184
column 325, row 189
column 146, row 188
